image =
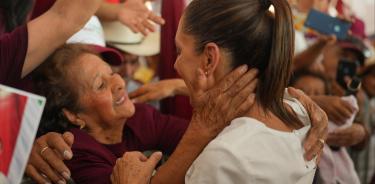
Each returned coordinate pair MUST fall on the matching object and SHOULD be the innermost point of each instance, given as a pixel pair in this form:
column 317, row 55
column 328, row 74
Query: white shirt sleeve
column 218, row 164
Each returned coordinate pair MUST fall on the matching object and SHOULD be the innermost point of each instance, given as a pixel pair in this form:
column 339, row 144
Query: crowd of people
column 201, row 91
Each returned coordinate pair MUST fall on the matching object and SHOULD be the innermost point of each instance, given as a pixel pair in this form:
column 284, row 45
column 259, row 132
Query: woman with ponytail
column 267, row 145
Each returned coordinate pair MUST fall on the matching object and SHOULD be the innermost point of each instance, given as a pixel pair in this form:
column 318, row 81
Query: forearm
column 366, row 137
column 190, row 146
column 65, row 18
column 181, row 88
column 308, row 56
column 108, row 11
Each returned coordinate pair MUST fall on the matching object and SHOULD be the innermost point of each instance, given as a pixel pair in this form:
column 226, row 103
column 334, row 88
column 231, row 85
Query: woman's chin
column 127, row 109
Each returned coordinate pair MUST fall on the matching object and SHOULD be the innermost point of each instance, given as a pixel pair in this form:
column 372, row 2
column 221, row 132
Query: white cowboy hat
column 121, row 37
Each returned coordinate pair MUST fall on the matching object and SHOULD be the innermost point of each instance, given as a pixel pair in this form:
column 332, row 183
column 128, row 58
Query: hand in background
column 159, row 90
column 138, row 17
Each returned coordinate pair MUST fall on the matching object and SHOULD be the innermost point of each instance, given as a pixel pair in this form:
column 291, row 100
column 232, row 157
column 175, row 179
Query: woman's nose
column 117, row 83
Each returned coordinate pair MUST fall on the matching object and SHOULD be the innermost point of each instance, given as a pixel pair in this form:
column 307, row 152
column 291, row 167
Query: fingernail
column 67, row 154
column 61, row 182
column 66, row 175
column 159, row 153
column 243, row 68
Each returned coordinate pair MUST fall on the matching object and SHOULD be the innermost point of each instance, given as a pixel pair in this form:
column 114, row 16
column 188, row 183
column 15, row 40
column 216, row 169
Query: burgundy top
column 13, row 48
column 171, row 12
column 146, row 130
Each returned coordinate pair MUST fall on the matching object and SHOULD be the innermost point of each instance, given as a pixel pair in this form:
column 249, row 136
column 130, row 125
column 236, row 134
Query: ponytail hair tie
column 265, row 4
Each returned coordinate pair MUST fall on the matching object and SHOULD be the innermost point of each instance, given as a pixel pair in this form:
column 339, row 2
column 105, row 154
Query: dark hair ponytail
column 278, row 72
column 252, row 35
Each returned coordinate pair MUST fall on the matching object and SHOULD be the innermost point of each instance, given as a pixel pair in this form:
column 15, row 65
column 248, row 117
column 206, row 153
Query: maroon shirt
column 13, row 48
column 146, row 130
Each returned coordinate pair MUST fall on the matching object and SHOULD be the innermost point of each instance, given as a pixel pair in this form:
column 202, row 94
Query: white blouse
column 249, row 152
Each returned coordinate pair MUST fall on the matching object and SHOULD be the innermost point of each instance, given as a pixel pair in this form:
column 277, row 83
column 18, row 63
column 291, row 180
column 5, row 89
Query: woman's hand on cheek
column 214, row 108
column 317, row 135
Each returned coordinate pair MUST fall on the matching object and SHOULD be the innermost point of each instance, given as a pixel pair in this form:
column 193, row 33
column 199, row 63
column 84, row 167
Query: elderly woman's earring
column 206, row 73
column 81, row 123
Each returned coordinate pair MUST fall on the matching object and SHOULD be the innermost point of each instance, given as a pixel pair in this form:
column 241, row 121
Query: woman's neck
column 108, row 134
column 268, row 118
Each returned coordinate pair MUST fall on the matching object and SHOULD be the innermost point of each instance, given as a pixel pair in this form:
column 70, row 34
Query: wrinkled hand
column 157, row 91
column 319, row 125
column 337, row 109
column 214, row 108
column 137, row 17
column 49, row 166
column 348, row 136
column 134, row 168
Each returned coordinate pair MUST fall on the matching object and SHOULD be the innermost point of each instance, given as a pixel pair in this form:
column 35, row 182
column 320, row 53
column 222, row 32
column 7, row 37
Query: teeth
column 120, row 100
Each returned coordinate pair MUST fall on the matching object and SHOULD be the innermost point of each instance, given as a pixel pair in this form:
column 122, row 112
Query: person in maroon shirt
column 23, row 49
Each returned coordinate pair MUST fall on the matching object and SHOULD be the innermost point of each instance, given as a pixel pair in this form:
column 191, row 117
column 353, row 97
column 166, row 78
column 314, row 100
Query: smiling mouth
column 120, row 101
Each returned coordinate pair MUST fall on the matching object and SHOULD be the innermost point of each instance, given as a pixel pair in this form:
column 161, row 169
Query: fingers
column 133, row 26
column 139, row 92
column 232, row 77
column 34, row 174
column 313, row 146
column 148, row 26
column 139, row 26
column 314, row 150
column 319, row 124
column 243, row 108
column 157, row 19
column 242, row 83
column 43, row 167
column 298, row 94
column 56, row 141
column 56, row 163
column 246, row 94
column 154, row 160
column 68, row 138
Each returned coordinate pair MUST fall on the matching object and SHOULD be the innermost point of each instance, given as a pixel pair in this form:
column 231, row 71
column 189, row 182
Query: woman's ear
column 70, row 116
column 212, row 58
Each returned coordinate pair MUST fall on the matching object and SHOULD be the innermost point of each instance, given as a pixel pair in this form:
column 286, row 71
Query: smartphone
column 327, row 25
column 345, row 68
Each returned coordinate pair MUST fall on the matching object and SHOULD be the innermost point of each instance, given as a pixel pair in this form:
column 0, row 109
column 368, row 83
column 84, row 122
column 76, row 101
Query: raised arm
column 49, row 31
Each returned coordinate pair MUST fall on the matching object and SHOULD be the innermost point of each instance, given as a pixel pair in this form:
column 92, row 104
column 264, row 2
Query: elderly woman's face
column 102, row 93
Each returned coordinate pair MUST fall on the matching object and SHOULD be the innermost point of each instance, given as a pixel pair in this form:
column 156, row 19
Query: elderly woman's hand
column 214, row 108
column 137, row 17
column 134, row 168
column 319, row 125
column 46, row 159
